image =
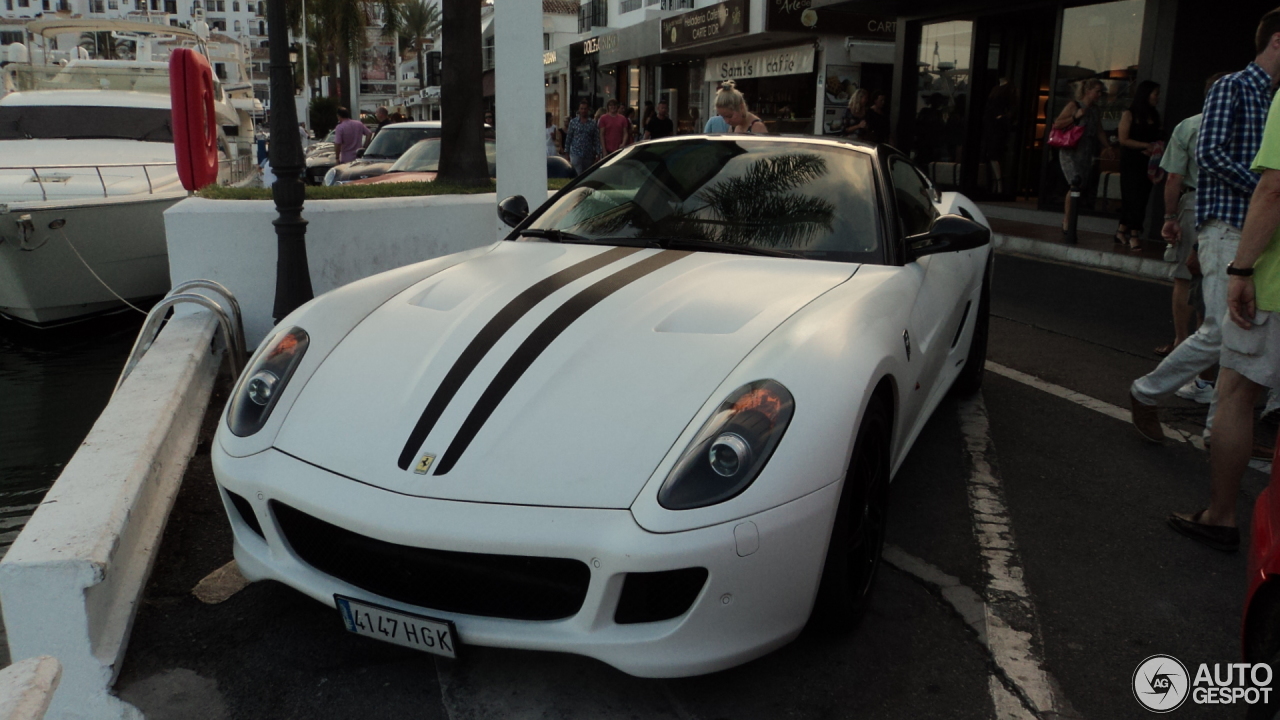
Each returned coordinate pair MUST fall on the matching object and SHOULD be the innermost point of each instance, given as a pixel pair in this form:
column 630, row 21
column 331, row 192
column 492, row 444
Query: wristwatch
column 1240, row 272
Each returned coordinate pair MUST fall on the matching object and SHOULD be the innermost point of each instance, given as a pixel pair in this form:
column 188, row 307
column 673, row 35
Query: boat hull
column 74, row 260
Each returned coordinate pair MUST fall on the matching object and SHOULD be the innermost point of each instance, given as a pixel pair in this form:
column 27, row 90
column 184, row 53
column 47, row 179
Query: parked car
column 1261, row 627
column 320, row 158
column 655, row 425
column 384, row 149
column 421, row 163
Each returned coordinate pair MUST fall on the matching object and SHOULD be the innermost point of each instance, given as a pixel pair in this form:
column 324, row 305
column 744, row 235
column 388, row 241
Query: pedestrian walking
column 349, row 136
column 613, row 128
column 1250, row 358
column 1077, row 160
column 878, row 118
column 1234, row 117
column 582, row 139
column 1179, row 229
column 554, row 138
column 854, row 122
column 1140, row 132
column 732, row 106
column 659, row 126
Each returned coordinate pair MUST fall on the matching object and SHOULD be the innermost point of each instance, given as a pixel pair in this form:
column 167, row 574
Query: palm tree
column 462, row 158
column 338, row 29
column 418, row 21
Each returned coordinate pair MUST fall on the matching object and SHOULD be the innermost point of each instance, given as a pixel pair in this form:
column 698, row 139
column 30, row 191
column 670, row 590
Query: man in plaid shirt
column 1235, row 114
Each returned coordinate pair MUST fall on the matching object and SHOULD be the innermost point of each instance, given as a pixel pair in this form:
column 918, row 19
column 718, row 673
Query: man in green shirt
column 1250, row 359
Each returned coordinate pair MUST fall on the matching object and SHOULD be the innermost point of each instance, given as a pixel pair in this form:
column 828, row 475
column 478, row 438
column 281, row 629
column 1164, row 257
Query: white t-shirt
column 551, row 141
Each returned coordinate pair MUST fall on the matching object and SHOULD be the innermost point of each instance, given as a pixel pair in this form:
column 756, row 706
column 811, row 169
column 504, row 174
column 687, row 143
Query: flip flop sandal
column 1164, row 350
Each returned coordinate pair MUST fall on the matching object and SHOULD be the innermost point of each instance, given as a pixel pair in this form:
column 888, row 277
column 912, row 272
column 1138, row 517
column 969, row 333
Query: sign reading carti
column 788, row 61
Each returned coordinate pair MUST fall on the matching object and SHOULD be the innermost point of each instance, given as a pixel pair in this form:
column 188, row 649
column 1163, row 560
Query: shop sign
column 716, row 22
column 549, row 57
column 591, row 46
column 798, row 16
column 788, row 61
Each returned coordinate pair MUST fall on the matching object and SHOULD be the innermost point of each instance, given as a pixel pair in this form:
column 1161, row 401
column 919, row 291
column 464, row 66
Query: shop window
column 943, row 97
column 1100, row 41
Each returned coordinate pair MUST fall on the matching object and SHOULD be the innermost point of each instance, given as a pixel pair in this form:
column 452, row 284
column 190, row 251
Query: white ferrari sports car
column 655, row 425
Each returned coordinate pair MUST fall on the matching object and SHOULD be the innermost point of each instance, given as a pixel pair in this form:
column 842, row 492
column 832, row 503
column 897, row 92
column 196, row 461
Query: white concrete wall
column 521, row 103
column 70, row 583
column 27, row 687
column 234, row 243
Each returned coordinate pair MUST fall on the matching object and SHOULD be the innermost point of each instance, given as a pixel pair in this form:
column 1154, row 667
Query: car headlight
column 731, row 448
column 331, row 176
column 262, row 382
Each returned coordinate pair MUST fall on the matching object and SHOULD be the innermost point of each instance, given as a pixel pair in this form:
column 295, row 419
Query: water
column 53, row 385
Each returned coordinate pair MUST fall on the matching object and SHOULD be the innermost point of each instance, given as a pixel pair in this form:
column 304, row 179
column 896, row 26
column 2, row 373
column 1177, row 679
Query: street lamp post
column 306, row 75
column 293, row 277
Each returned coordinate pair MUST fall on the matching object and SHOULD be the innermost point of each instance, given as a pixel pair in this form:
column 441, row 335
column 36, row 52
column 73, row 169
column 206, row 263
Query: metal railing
column 53, row 178
column 239, row 169
column 229, row 320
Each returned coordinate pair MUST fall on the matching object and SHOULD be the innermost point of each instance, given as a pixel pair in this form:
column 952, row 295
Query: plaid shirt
column 1235, row 114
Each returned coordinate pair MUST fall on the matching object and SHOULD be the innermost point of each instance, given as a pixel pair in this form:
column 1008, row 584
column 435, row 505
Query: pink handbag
column 1066, row 139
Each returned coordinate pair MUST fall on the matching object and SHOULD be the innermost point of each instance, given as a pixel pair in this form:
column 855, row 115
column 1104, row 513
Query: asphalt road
column 1106, row 583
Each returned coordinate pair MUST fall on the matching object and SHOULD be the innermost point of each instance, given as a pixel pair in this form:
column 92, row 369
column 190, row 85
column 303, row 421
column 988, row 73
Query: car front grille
column 504, row 586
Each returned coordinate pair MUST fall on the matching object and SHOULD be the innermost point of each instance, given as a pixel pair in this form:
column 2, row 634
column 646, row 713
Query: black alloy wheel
column 857, row 536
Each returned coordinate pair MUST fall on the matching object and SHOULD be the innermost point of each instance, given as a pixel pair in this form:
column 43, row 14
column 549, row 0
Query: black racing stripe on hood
column 539, row 340
column 489, row 335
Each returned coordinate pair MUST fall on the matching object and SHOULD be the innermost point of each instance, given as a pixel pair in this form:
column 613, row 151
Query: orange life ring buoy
column 195, row 124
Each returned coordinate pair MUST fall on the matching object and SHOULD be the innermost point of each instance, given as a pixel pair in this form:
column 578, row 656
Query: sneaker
column 1198, row 390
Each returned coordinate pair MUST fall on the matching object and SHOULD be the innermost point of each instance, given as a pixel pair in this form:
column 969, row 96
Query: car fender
column 853, row 334
column 328, row 319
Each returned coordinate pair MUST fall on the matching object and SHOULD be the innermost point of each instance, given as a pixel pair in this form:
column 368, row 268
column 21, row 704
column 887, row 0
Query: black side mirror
column 948, row 233
column 513, row 210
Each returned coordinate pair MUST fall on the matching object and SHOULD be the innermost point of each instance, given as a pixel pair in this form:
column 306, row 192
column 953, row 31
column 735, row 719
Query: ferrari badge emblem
column 424, row 464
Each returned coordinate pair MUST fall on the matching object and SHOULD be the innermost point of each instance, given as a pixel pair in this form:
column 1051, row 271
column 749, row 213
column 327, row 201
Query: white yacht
column 87, row 167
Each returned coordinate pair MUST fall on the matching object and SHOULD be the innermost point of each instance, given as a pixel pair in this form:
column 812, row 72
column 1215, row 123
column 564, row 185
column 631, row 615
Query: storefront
column 781, row 86
column 977, row 84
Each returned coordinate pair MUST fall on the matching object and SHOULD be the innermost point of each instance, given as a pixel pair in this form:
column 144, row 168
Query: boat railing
column 239, row 169
column 150, row 172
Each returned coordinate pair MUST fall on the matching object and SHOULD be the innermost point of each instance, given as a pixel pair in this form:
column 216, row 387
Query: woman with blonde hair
column 855, row 123
column 732, row 106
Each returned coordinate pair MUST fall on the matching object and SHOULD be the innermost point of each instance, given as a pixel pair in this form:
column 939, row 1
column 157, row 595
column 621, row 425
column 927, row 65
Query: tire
column 857, row 535
column 969, row 381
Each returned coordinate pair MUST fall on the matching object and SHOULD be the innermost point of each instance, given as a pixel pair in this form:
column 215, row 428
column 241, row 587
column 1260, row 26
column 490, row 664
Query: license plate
column 400, row 628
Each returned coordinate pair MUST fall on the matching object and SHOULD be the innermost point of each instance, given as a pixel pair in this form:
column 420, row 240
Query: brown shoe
column 1146, row 418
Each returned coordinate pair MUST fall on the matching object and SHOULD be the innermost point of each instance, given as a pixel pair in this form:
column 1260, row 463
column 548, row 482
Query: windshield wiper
column 562, row 236
column 712, row 246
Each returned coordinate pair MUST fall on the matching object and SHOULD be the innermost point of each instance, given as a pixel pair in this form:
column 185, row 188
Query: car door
column 940, row 302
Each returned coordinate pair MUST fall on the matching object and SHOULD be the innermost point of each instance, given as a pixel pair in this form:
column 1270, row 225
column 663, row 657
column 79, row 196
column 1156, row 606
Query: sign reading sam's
column 716, row 22
column 787, row 61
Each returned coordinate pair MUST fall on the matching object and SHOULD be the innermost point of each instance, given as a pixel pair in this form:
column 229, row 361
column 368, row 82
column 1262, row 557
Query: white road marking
column 1012, row 629
column 1105, row 408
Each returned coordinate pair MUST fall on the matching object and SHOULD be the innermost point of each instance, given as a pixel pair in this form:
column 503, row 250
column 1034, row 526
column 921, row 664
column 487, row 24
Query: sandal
column 1218, row 537
column 1135, row 245
column 1120, row 238
column 1164, row 350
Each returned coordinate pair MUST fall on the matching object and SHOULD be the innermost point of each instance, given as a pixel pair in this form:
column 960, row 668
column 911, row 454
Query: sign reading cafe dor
column 770, row 63
column 714, row 22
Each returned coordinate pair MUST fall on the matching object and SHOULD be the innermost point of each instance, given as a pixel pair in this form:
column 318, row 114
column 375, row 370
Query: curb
column 1086, row 257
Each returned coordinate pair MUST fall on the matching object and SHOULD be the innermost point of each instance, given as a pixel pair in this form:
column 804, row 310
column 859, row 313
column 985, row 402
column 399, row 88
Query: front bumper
column 749, row 605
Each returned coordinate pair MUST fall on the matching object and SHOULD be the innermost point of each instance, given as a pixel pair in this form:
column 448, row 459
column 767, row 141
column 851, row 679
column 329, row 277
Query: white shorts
column 1254, row 353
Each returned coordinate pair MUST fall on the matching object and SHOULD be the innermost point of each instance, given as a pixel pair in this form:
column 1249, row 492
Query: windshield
column 813, row 200
column 391, row 141
column 425, row 157
column 18, row 122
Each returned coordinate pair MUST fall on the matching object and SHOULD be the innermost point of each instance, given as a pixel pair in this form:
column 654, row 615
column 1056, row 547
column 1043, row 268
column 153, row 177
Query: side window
column 912, row 197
